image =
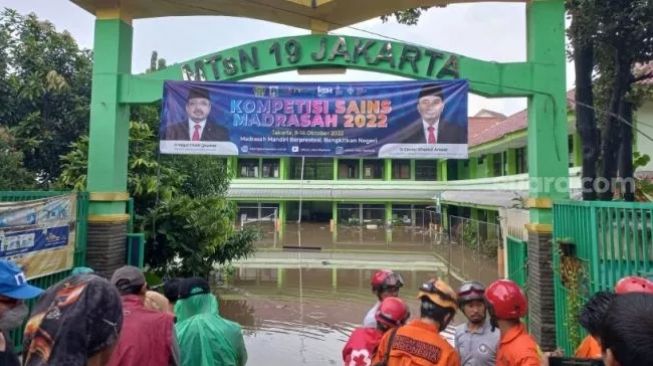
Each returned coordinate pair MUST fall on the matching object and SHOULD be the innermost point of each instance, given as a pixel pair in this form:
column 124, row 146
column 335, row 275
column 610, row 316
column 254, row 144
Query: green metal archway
column 541, row 79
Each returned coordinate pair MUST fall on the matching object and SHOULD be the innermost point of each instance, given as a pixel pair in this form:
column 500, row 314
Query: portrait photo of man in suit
column 197, row 127
column 432, row 128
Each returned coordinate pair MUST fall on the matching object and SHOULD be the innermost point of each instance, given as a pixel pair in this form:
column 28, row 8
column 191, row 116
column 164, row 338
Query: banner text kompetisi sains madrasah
column 400, row 119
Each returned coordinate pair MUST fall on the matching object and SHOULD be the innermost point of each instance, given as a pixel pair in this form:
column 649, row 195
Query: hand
column 545, row 356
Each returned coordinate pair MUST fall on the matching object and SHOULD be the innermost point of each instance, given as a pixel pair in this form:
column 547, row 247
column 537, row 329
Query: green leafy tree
column 13, row 176
column 179, row 201
column 45, row 88
column 608, row 39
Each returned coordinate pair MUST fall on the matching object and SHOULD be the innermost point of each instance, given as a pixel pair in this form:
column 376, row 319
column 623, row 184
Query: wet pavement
column 299, row 307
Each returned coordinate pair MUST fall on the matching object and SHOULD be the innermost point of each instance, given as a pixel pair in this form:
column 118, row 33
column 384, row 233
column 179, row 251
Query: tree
column 180, row 203
column 45, row 88
column 13, row 176
column 608, row 38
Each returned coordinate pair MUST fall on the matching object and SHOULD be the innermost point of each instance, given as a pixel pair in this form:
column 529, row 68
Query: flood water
column 299, row 307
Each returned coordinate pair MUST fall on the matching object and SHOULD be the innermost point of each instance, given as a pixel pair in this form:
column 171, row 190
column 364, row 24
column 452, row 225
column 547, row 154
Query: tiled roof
column 482, row 130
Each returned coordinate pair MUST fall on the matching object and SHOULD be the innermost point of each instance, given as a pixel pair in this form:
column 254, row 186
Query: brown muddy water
column 298, row 308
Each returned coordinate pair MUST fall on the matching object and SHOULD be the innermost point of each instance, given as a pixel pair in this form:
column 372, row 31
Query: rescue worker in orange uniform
column 596, row 308
column 507, row 304
column 419, row 342
column 590, row 318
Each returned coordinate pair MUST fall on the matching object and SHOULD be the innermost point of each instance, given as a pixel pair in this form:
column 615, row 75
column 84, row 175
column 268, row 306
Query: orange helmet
column 633, row 284
column 506, row 299
column 440, row 293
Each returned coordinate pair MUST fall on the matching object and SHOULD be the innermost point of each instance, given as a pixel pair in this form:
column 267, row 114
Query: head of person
column 198, row 104
column 471, row 300
column 627, row 331
column 393, row 312
column 75, row 322
column 632, row 284
column 129, row 280
column 430, row 103
column 171, row 289
column 157, row 302
column 593, row 312
column 386, row 283
column 506, row 302
column 14, row 290
column 81, row 270
column 195, row 298
column 438, row 302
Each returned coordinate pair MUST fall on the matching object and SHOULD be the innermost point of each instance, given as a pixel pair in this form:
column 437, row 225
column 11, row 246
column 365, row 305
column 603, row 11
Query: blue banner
column 399, row 119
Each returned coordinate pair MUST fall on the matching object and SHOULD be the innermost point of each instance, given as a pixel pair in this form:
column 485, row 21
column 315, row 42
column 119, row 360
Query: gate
column 595, row 244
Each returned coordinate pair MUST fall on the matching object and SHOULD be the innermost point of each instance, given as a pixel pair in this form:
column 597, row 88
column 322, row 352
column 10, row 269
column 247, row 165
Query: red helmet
column 633, row 284
column 506, row 299
column 392, row 312
column 386, row 278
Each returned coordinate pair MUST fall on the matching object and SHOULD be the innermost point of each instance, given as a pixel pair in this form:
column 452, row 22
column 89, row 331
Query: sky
column 488, row 31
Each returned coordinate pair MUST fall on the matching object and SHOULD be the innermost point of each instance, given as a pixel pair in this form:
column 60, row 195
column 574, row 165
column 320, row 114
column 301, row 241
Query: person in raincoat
column 205, row 338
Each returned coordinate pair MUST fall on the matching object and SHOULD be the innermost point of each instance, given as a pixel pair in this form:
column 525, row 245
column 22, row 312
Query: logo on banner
column 323, row 91
column 294, row 149
column 340, row 150
column 244, row 148
column 274, row 91
column 259, row 91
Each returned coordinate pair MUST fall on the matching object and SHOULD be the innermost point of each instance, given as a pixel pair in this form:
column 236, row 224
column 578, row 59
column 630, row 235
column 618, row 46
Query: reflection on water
column 299, row 308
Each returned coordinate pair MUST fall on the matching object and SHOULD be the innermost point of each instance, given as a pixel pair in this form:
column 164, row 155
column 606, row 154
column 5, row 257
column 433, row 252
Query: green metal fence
column 80, row 242
column 596, row 244
column 517, row 260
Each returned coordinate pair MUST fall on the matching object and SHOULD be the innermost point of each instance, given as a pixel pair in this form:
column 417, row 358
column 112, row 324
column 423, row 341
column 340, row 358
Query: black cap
column 171, row 289
column 431, row 89
column 197, row 92
column 193, row 286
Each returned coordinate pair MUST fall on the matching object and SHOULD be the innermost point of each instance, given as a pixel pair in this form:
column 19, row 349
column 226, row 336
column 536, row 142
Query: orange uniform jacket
column 589, row 348
column 517, row 348
column 419, row 344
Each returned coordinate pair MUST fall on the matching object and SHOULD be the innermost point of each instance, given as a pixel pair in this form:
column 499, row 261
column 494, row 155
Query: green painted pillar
column 109, row 122
column 473, row 168
column 108, row 147
column 284, row 168
column 444, row 217
column 387, row 170
column 334, row 279
column 281, row 225
column 281, row 277
column 335, row 168
column 443, row 171
column 474, row 213
column 412, row 170
column 548, row 158
column 334, row 222
column 388, row 222
column 489, row 165
column 511, row 163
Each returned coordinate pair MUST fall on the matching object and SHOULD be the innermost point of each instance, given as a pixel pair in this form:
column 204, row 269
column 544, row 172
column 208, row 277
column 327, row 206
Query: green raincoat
column 205, row 338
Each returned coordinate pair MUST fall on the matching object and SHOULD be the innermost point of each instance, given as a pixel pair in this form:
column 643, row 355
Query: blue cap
column 13, row 283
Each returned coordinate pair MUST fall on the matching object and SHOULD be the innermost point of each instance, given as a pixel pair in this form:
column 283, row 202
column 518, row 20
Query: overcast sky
column 488, row 31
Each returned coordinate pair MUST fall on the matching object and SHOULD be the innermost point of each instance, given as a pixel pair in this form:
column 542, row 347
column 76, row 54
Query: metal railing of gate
column 595, row 244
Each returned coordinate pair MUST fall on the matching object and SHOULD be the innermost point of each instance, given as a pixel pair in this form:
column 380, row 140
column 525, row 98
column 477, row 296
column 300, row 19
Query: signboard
column 404, row 119
column 39, row 235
